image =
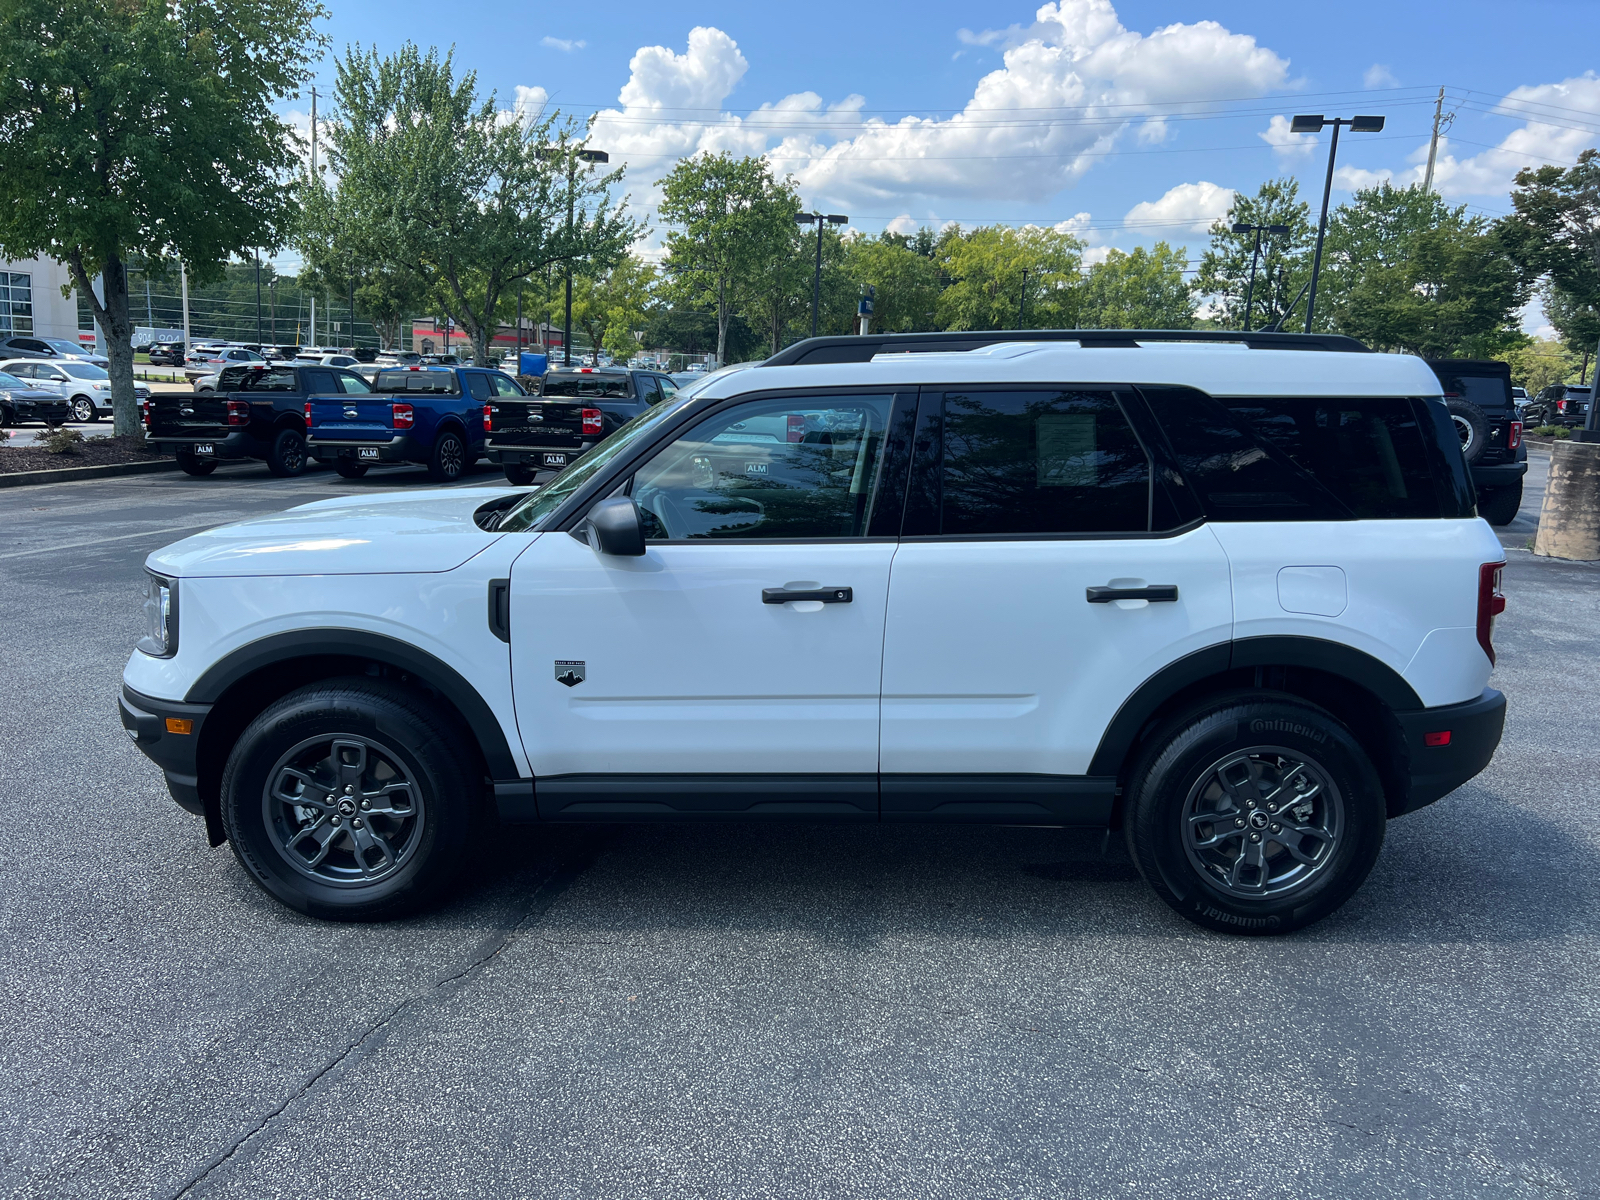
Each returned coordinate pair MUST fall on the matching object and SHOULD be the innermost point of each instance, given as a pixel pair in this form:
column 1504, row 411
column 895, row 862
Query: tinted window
column 668, row 388
column 478, row 387
column 10, row 380
column 320, row 382
column 615, row 387
column 649, row 389
column 1041, row 461
column 1489, row 390
column 1300, row 459
column 769, row 469
column 441, row 382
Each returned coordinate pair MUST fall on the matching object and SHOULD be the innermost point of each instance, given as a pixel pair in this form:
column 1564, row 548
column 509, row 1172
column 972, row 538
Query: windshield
column 83, row 370
column 547, row 499
column 62, row 347
column 10, row 381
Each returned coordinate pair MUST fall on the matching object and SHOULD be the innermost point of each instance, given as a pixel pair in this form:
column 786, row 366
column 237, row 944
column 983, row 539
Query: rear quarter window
column 597, row 387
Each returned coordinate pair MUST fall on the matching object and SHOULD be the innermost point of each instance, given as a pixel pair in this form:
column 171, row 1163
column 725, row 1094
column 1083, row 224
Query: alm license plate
column 205, row 448
column 555, row 460
column 366, row 452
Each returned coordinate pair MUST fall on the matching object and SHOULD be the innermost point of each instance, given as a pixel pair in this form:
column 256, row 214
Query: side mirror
column 617, row 527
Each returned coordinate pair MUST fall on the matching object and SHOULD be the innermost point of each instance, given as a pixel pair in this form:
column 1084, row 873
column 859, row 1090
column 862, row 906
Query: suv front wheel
column 1255, row 813
column 351, row 800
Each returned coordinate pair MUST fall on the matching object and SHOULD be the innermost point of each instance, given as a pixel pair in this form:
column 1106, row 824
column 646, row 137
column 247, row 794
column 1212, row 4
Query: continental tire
column 1256, row 813
column 353, row 800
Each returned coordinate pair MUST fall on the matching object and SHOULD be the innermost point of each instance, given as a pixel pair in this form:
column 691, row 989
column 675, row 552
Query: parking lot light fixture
column 1315, row 124
column 819, row 219
column 1258, row 230
column 573, row 158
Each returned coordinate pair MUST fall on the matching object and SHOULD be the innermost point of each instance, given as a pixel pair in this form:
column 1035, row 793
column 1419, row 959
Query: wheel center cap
column 1258, row 819
column 347, row 807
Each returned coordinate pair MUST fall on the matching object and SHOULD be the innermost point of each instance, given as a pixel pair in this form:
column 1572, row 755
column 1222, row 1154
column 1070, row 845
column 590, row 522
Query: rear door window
column 353, row 383
column 478, row 387
column 1041, row 461
column 504, row 385
column 319, row 382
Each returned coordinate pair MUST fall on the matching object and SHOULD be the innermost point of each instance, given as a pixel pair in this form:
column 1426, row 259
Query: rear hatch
column 557, row 424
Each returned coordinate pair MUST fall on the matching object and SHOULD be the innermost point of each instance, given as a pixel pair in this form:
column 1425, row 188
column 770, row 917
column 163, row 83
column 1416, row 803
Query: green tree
column 610, row 306
column 906, row 282
column 1282, row 270
column 1554, row 236
column 727, row 216
column 1142, row 290
column 146, row 128
column 467, row 200
column 1405, row 271
column 385, row 292
column 1540, row 363
column 1003, row 278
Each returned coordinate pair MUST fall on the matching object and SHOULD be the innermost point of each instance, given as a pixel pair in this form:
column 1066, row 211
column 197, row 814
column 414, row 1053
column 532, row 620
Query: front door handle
column 1157, row 591
column 833, row 595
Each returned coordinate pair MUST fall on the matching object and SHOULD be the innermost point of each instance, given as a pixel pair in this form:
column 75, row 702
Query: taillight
column 591, row 421
column 1491, row 603
column 1561, row 406
column 1514, row 435
column 404, row 416
column 238, row 412
column 308, row 412
column 147, row 418
column 488, row 418
column 797, row 427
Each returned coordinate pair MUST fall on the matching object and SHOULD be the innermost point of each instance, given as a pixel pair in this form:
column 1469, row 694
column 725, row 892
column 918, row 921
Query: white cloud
column 1187, row 208
column 904, row 223
column 1076, row 56
column 1379, row 76
column 565, row 45
column 1284, row 143
column 1491, row 172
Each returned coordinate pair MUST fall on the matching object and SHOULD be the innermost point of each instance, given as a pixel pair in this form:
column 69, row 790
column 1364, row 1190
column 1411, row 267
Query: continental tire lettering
column 1217, row 914
column 1279, row 725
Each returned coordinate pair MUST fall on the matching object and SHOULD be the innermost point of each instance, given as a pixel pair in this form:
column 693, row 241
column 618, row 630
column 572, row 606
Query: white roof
column 1218, row 368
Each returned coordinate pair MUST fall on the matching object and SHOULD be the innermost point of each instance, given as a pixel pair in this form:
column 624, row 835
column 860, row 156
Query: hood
column 391, row 533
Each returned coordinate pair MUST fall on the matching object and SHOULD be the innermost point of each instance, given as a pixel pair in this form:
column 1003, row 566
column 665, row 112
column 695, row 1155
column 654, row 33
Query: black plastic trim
column 1359, row 667
column 356, row 643
column 998, row 799
column 855, row 349
column 145, row 719
column 500, row 609
column 1436, row 771
column 845, row 797
column 1137, row 709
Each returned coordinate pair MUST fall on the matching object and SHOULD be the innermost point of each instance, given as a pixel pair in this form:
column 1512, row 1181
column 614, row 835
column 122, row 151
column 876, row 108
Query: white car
column 1232, row 599
column 86, row 387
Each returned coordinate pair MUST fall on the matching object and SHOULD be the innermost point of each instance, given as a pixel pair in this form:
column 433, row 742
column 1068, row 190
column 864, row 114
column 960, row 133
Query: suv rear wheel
column 1255, row 813
column 351, row 800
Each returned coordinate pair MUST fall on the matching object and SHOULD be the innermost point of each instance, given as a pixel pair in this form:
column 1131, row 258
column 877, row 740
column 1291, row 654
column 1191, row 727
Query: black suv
column 577, row 407
column 168, row 354
column 1562, row 404
column 1478, row 395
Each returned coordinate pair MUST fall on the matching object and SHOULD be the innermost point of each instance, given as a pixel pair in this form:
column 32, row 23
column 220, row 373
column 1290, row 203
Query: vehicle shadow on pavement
column 1475, row 868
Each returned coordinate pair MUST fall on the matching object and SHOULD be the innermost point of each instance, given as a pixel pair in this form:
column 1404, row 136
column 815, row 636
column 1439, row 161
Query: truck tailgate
column 189, row 415
column 355, row 418
column 536, row 422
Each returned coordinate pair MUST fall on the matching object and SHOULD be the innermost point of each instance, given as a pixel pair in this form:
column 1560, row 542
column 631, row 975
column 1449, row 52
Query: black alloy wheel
column 83, row 409
column 287, row 455
column 353, row 799
column 1255, row 813
column 449, row 458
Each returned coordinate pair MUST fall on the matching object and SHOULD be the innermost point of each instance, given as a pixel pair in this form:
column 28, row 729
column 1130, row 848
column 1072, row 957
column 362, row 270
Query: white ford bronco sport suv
column 1230, row 597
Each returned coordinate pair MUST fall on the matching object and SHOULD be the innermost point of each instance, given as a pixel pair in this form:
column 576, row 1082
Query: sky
column 1123, row 121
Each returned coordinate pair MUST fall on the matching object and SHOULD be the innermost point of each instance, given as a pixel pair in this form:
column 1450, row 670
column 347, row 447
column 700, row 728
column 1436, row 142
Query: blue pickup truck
column 431, row 415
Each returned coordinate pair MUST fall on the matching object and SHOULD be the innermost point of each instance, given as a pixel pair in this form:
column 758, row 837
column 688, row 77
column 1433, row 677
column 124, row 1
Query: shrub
column 62, row 440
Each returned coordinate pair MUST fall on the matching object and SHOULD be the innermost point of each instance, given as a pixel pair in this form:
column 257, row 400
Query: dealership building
column 31, row 300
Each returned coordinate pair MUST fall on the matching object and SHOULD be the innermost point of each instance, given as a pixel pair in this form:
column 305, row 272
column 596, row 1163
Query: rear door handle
column 1155, row 592
column 833, row 595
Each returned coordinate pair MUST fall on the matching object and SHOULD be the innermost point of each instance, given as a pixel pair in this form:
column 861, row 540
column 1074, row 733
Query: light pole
column 819, row 220
column 573, row 158
column 272, row 305
column 1258, row 230
column 1315, row 124
column 1022, row 300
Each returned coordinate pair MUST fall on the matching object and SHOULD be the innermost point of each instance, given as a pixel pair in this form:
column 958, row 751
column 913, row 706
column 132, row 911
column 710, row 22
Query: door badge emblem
column 569, row 672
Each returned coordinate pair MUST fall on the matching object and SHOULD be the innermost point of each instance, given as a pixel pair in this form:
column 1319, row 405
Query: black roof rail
column 819, row 350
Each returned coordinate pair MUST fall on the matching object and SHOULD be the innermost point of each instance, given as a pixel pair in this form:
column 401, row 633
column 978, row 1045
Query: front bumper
column 1436, row 771
column 53, row 411
column 400, row 448
column 153, row 725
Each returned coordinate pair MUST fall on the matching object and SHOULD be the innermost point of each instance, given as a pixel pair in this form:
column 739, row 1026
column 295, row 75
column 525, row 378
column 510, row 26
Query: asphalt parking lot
column 795, row 1012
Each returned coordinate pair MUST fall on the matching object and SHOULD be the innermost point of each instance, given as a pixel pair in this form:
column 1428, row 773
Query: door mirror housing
column 616, row 527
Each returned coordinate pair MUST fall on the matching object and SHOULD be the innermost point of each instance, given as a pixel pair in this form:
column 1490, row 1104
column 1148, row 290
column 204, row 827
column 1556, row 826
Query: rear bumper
column 145, row 718
column 521, row 454
column 1436, row 771
column 1498, row 475
column 235, row 444
column 400, row 448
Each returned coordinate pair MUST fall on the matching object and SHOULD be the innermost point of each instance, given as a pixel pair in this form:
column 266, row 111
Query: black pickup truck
column 577, row 408
column 258, row 411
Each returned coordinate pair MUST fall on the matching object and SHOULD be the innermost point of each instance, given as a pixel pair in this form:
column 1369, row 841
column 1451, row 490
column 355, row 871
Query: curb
column 104, row 471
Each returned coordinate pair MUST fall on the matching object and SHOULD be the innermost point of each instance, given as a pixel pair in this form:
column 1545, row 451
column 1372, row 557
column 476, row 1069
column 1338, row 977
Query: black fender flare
column 1335, row 658
column 357, row 643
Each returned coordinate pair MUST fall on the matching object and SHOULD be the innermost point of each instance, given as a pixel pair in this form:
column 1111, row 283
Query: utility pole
column 1022, row 300
column 352, row 282
column 183, row 276
column 311, row 339
column 258, row 297
column 1441, row 122
column 313, row 133
column 272, row 306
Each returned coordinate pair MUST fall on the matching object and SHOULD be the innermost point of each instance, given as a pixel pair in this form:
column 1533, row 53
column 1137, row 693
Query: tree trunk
column 112, row 317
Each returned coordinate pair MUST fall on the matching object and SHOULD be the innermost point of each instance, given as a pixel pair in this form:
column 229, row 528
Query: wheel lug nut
column 1276, row 828
column 357, row 822
column 1239, row 821
column 337, row 819
column 350, row 789
column 366, row 804
column 1272, row 808
column 1255, row 837
column 1249, row 803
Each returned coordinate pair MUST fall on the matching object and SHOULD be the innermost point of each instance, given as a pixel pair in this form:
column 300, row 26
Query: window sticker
column 1066, row 450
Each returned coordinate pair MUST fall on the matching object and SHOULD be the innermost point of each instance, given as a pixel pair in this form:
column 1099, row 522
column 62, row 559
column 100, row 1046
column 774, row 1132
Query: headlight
column 160, row 638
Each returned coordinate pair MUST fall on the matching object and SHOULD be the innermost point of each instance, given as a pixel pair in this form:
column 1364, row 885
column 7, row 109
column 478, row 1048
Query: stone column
column 1569, row 522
